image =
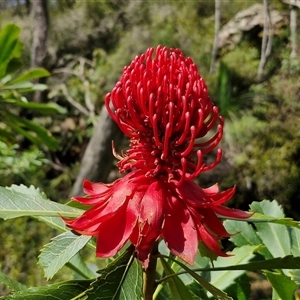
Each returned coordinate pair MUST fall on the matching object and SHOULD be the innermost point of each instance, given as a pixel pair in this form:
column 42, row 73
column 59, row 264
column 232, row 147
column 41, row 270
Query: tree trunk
column 217, row 29
column 266, row 45
column 40, row 35
column 293, row 27
column 97, row 160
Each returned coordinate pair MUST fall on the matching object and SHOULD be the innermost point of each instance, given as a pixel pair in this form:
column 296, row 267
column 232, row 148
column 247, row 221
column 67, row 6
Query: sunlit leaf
column 244, row 234
column 15, row 204
column 275, row 237
column 61, row 249
column 287, row 262
column 239, row 256
column 295, row 240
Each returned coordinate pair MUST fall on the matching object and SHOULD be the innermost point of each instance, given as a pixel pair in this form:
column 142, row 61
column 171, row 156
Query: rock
column 245, row 21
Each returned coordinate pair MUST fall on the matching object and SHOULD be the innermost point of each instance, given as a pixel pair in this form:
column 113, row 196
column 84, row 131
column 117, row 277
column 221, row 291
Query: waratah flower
column 161, row 103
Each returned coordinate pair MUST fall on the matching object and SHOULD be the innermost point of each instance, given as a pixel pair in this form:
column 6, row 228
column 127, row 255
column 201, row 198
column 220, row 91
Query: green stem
column 149, row 275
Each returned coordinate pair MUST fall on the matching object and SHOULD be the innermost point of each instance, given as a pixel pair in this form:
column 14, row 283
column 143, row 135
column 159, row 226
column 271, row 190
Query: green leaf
column 10, row 283
column 49, row 108
column 239, row 256
column 31, row 74
column 287, row 262
column 14, row 203
column 61, row 249
column 178, row 290
column 16, row 127
column 270, row 212
column 19, row 201
column 283, row 285
column 218, row 294
column 241, row 289
column 244, row 234
column 41, row 135
column 275, row 237
column 9, row 46
column 295, row 241
column 5, row 135
column 197, row 291
column 18, row 86
column 120, row 280
column 62, row 290
column 78, row 265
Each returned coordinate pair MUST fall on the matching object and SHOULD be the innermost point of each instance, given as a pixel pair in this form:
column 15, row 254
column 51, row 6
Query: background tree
column 40, row 35
column 266, row 44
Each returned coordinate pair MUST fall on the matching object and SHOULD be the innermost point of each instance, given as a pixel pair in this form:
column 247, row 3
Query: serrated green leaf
column 261, row 217
column 275, row 237
column 59, row 291
column 178, row 290
column 295, row 241
column 11, row 283
column 30, row 75
column 244, row 234
column 54, row 222
column 239, row 256
column 59, row 251
column 14, row 203
column 120, row 280
column 284, row 286
column 132, row 285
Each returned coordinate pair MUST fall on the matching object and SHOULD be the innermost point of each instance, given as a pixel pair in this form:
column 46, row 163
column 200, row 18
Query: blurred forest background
column 247, row 51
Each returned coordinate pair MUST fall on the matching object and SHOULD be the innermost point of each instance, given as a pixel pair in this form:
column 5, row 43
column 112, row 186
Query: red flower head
column 161, row 103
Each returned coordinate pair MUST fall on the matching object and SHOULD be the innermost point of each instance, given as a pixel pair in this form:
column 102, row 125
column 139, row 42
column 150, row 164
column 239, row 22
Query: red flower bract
column 161, row 103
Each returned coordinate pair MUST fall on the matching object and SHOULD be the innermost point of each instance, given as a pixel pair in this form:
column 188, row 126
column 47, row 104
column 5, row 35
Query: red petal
column 223, row 197
column 151, row 218
column 212, row 190
column 210, row 241
column 190, row 192
column 92, row 188
column 90, row 200
column 224, row 211
column 211, row 222
column 179, row 231
column 114, row 232
column 151, row 209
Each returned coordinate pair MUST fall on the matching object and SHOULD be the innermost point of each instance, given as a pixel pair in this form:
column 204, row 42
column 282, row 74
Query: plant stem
column 149, row 275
